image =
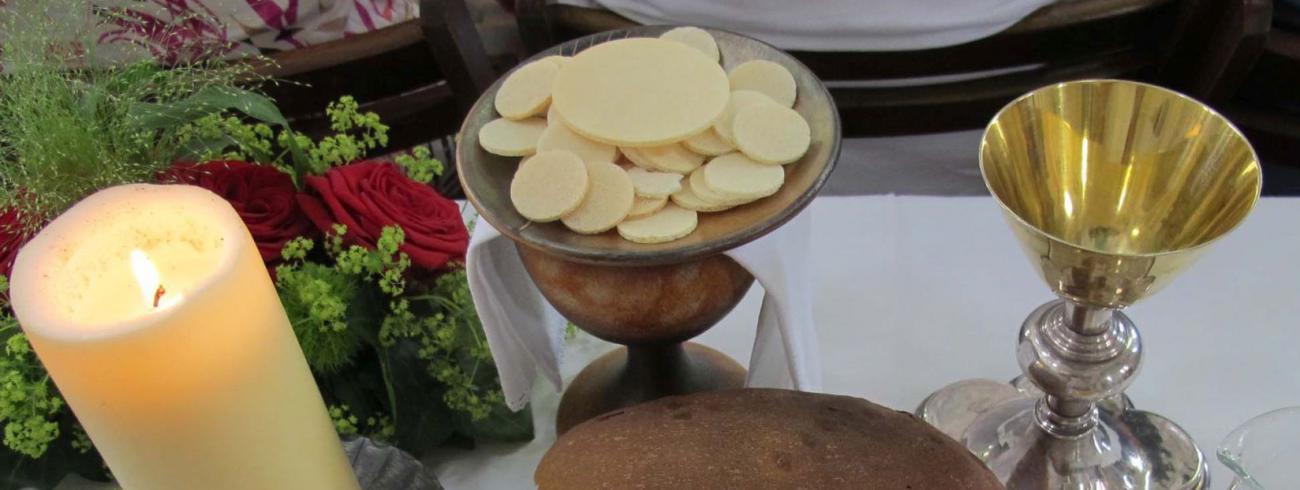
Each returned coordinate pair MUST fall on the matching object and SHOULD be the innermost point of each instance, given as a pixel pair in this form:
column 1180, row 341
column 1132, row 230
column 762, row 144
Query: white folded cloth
column 835, row 25
column 526, row 334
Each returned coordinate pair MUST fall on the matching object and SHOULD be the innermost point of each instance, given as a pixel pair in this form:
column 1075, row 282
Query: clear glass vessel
column 1264, row 452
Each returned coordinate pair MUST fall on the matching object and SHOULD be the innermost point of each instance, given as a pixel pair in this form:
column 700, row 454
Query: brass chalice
column 650, row 298
column 1112, row 188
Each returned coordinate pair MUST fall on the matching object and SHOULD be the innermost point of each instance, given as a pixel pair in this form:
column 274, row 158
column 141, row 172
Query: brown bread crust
column 760, row 439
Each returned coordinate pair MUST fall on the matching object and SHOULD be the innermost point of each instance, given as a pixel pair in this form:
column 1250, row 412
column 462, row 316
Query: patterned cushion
column 173, row 30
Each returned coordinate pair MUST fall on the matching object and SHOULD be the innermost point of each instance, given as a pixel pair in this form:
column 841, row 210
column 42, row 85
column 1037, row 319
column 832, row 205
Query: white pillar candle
column 157, row 320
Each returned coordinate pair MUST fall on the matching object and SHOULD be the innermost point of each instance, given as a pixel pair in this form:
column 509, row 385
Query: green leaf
column 360, row 386
column 57, row 462
column 210, row 100
column 365, row 314
column 423, row 421
column 199, row 149
column 90, row 102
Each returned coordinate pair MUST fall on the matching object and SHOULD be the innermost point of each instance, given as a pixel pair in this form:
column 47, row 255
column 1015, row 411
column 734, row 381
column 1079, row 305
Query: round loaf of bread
column 760, row 439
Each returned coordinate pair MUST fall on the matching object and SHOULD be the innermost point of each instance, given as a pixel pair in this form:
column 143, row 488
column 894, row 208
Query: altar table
column 913, row 293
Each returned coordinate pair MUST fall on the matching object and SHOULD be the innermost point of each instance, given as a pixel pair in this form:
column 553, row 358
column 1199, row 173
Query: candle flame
column 151, row 288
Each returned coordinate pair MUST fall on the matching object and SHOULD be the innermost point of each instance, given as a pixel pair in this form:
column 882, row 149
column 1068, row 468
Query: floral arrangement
column 366, row 256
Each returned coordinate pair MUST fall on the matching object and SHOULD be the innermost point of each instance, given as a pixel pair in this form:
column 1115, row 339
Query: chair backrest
column 949, row 88
column 1248, row 67
column 420, row 76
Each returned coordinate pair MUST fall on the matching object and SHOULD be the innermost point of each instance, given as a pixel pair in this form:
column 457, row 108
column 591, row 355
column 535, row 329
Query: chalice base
column 1115, row 404
column 1129, row 449
column 640, row 373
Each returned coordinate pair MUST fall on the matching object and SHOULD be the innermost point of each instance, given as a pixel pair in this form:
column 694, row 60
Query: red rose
column 368, row 196
column 14, row 233
column 262, row 195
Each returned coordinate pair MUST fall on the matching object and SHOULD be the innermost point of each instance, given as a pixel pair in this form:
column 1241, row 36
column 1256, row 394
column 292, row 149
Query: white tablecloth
column 913, row 293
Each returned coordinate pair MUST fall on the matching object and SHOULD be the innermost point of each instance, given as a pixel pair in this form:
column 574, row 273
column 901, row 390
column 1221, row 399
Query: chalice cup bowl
column 651, row 298
column 1112, row 188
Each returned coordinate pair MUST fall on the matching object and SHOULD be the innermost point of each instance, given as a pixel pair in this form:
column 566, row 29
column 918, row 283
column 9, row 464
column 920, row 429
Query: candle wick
column 158, row 294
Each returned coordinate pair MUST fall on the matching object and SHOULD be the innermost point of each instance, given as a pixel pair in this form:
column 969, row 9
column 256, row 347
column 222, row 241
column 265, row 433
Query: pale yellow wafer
column 706, row 194
column 767, row 77
column 527, row 90
column 735, row 176
column 511, row 138
column 771, row 134
column 549, row 185
column 645, row 206
column 559, row 137
column 551, row 116
column 696, row 38
column 688, row 199
column 608, row 200
column 667, row 158
column 663, row 91
column 637, row 159
column 740, row 99
column 654, row 184
column 709, row 144
column 665, row 225
column 559, row 60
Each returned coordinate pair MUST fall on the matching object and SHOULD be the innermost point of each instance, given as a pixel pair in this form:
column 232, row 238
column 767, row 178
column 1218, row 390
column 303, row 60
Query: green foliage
column 420, row 165
column 72, row 127
column 356, row 134
column 390, row 348
column 80, row 440
column 315, row 296
column 28, row 406
column 456, row 348
column 435, row 331
column 222, row 137
column 345, row 423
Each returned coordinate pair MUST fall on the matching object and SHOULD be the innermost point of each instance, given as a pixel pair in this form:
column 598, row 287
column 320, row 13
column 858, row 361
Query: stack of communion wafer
column 641, row 134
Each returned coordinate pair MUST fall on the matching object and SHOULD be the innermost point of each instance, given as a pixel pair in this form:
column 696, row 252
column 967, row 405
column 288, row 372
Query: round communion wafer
column 767, row 77
column 735, row 176
column 687, row 198
column 609, row 199
column 708, row 143
column 558, row 136
column 511, row 138
column 627, row 154
column 771, row 134
column 666, row 158
column 663, row 89
column 707, row 194
column 665, row 225
column 549, row 185
column 646, row 206
column 740, row 100
column 559, row 60
column 527, row 91
column 696, row 38
column 654, row 184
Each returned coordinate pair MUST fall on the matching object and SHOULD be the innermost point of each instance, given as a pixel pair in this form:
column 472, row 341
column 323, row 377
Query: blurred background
column 915, row 80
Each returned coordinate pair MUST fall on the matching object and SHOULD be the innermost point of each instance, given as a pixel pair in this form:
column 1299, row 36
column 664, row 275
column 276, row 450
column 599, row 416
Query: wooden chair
column 1247, row 66
column 966, row 83
column 421, row 76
